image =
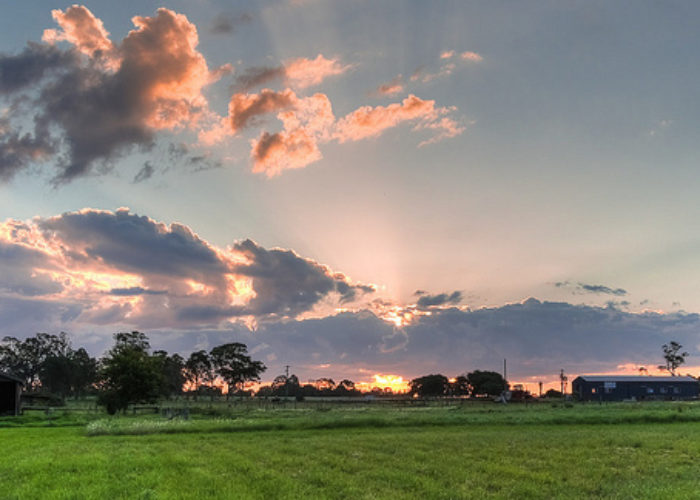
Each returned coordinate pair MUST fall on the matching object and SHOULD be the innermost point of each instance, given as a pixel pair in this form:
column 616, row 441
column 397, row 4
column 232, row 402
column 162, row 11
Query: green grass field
column 481, row 451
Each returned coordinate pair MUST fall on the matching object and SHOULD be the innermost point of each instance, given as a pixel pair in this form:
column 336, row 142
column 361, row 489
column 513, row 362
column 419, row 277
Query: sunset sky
column 356, row 188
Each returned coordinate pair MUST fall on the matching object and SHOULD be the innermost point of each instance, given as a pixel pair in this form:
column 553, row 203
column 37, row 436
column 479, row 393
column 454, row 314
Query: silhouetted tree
column 345, row 388
column 198, row 369
column 672, row 357
column 232, row 363
column 430, row 385
column 460, row 387
column 172, row 373
column 486, row 383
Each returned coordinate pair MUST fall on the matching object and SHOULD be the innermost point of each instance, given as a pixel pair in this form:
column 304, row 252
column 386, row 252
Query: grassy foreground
column 431, row 453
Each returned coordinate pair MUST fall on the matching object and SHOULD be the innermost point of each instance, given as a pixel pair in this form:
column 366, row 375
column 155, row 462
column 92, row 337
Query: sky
column 356, row 188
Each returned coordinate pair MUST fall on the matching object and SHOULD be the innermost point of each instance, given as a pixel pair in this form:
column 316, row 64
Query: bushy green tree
column 128, row 373
column 486, row 383
column 430, row 385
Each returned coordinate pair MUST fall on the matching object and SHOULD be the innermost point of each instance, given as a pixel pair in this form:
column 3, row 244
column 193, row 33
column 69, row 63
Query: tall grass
column 344, row 418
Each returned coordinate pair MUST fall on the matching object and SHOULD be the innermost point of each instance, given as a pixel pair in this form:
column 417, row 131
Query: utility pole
column 563, row 378
column 540, row 388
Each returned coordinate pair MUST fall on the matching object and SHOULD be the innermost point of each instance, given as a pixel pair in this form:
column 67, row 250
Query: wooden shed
column 10, row 390
column 627, row 387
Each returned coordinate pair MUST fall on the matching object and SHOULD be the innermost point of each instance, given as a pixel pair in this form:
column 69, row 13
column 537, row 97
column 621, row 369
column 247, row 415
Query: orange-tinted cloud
column 392, row 87
column 471, row 56
column 117, row 267
column 119, row 95
column 303, row 72
column 369, row 121
column 306, row 122
column 81, row 28
column 244, row 109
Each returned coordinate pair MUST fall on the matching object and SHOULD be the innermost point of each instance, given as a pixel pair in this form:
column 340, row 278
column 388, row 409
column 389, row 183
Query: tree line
column 128, row 373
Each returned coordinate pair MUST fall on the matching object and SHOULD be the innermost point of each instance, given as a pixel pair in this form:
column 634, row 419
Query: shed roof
column 6, row 376
column 634, row 378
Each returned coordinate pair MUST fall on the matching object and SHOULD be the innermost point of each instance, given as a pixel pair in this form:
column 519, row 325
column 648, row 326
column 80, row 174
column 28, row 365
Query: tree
column 430, row 385
column 486, row 383
column 172, row 373
column 69, row 374
column 460, row 386
column 128, row 374
column 345, row 387
column 198, row 369
column 84, row 373
column 232, row 363
column 25, row 358
column 673, row 358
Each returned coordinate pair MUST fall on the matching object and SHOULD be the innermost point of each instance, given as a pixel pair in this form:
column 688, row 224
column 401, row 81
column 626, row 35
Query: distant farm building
column 621, row 387
column 10, row 390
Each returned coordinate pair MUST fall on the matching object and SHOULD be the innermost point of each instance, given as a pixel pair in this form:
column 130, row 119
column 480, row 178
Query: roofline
column 11, row 377
column 640, row 378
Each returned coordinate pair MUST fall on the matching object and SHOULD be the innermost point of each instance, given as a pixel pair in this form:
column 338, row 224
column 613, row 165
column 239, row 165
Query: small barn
column 10, row 390
column 626, row 387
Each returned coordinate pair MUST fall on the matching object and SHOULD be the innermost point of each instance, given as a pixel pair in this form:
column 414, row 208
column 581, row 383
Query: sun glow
column 396, row 383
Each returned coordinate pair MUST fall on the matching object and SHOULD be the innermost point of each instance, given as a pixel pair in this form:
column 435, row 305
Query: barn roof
column 634, row 378
column 12, row 378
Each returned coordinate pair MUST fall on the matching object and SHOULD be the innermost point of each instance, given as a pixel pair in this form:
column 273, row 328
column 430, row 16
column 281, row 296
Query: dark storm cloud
column 135, row 290
column 96, row 257
column 135, row 243
column 27, row 68
column 537, row 338
column 17, row 271
column 439, row 300
column 587, row 288
column 17, row 151
column 602, row 289
column 286, row 284
column 101, row 104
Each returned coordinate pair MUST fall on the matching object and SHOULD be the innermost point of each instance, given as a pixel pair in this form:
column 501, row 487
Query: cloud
column 80, row 28
column 602, row 289
column 308, row 122
column 298, row 73
column 305, row 125
column 587, row 288
column 226, row 24
column 442, row 299
column 471, row 56
column 245, row 109
column 114, row 97
column 369, row 121
column 135, row 290
column 303, row 72
column 450, row 60
column 145, row 173
column 395, row 86
column 258, row 75
column 121, row 268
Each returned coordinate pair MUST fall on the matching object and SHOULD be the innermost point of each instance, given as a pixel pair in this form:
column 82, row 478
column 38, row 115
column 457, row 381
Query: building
column 10, row 390
column 626, row 387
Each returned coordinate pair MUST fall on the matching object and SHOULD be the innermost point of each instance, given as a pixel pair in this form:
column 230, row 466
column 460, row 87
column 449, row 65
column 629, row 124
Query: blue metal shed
column 622, row 387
